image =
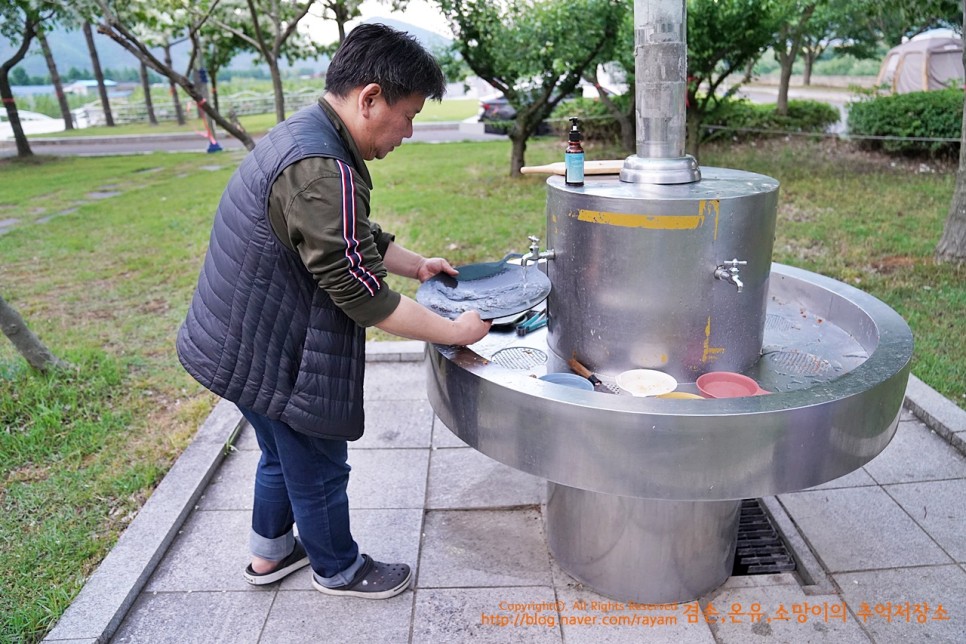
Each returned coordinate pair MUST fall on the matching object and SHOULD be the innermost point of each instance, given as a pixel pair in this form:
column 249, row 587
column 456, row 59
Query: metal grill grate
column 519, row 357
column 760, row 549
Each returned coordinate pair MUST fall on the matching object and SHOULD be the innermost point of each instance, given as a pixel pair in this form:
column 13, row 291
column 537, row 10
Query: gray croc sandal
column 374, row 580
column 297, row 559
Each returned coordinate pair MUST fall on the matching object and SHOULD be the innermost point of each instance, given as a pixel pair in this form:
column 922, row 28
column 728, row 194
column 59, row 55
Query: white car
column 32, row 123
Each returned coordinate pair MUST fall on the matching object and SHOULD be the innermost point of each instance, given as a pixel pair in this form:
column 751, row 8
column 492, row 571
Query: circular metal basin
column 835, row 358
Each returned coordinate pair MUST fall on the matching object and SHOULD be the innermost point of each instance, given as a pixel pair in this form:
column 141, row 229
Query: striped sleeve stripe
column 357, row 268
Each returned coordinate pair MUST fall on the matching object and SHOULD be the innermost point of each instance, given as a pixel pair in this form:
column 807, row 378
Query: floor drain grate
column 760, row 549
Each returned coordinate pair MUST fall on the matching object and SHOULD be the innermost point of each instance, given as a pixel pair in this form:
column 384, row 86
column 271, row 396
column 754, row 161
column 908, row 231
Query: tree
column 792, row 30
column 172, row 85
column 146, row 88
column 269, row 28
column 723, row 36
column 55, row 80
column 533, row 51
column 19, row 20
column 132, row 25
column 98, row 74
column 952, row 244
column 341, row 11
column 29, row 345
column 897, row 19
column 623, row 64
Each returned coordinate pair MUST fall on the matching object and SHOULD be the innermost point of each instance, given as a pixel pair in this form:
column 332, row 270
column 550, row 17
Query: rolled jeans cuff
column 341, row 578
column 271, row 549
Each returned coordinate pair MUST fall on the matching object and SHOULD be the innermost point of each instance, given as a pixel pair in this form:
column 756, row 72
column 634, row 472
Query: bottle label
column 574, row 167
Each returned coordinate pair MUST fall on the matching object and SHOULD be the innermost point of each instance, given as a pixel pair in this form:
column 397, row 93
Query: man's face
column 387, row 125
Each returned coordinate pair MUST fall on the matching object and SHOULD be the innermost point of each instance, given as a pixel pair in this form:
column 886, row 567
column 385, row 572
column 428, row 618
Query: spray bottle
column 574, row 156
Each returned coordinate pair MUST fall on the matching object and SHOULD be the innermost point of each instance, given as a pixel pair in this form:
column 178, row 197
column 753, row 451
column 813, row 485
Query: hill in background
column 70, row 50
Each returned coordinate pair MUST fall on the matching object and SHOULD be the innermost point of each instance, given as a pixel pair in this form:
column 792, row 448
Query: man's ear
column 367, row 97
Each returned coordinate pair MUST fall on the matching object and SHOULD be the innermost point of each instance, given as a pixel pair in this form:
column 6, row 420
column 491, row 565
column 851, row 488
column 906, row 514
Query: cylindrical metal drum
column 667, row 277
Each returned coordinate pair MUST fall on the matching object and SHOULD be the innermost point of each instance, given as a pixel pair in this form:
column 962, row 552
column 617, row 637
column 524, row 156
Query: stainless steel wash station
column 669, row 267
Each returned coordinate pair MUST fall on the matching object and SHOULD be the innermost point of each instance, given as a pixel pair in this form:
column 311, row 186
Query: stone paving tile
column 395, row 381
column 310, row 616
column 232, row 487
column 590, row 618
column 443, row 437
column 210, row 553
column 387, row 535
column 396, row 424
column 229, row 617
column 929, row 585
column 781, row 614
column 940, row 508
column 858, row 478
column 859, row 529
column 246, row 439
column 474, row 614
column 916, row 454
column 388, row 478
column 473, row 548
column 464, row 478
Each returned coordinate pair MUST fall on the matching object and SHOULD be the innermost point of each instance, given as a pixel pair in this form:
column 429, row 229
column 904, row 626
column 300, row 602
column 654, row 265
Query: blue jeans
column 302, row 480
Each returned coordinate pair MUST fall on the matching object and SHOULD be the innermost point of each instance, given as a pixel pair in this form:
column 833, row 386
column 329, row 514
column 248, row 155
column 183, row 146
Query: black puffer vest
column 260, row 332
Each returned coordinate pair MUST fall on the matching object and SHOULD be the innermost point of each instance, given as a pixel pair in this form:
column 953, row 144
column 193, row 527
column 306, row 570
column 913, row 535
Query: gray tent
column 922, row 64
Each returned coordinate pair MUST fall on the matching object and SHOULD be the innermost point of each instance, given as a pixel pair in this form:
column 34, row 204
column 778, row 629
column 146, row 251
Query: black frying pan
column 512, row 290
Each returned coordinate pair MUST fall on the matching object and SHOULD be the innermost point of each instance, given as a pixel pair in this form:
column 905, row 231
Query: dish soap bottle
column 574, row 156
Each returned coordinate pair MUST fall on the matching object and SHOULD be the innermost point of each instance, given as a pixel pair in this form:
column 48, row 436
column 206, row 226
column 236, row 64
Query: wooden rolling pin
column 590, row 167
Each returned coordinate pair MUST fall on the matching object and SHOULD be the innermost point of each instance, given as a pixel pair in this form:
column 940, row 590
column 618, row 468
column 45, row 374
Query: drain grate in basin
column 519, row 357
column 760, row 549
column 793, row 362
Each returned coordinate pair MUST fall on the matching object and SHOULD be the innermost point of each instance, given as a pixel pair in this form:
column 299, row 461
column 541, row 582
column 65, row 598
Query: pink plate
column 726, row 384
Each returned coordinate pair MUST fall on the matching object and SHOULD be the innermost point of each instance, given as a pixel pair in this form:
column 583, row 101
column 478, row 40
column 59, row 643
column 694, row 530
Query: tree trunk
column 175, row 100
column 55, row 81
column 146, row 87
column 517, row 151
column 807, row 73
column 29, row 345
column 787, row 57
column 277, row 88
column 624, row 119
column 692, row 141
column 952, row 244
column 213, row 76
column 98, row 75
column 784, row 80
column 6, row 94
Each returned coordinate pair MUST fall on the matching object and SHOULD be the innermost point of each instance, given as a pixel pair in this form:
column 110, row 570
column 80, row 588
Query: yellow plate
column 682, row 395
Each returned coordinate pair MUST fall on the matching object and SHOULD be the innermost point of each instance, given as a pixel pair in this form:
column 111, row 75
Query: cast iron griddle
column 512, row 290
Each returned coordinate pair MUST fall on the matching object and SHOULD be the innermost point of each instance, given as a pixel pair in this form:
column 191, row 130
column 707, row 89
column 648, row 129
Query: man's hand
column 470, row 328
column 430, row 266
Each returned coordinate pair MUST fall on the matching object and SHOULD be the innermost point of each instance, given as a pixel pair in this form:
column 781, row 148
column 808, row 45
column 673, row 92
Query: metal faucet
column 728, row 271
column 535, row 255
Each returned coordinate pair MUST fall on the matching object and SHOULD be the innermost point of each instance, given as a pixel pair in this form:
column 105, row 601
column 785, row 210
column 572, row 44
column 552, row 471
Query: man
column 292, row 276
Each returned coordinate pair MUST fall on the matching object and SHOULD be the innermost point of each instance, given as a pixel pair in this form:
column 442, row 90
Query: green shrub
column 740, row 119
column 934, row 115
column 596, row 121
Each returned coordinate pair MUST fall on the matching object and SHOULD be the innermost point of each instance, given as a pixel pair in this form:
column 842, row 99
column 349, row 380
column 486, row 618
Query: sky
column 418, row 12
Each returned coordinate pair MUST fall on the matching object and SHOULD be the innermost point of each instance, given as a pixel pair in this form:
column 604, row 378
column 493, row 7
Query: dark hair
column 375, row 53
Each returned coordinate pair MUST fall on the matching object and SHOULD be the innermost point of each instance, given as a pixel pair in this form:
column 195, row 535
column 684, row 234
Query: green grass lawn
column 106, row 251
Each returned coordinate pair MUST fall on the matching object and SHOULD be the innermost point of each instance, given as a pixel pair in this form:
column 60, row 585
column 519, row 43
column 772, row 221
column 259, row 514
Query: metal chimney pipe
column 661, row 68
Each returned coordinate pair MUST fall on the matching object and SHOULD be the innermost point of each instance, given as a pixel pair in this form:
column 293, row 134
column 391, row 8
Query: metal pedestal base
column 643, row 550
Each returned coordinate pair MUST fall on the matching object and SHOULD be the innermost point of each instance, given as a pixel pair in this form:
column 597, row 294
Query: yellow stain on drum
column 710, row 353
column 653, row 222
column 704, row 208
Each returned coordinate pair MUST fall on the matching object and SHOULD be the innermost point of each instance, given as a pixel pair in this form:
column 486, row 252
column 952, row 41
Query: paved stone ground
column 882, row 550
